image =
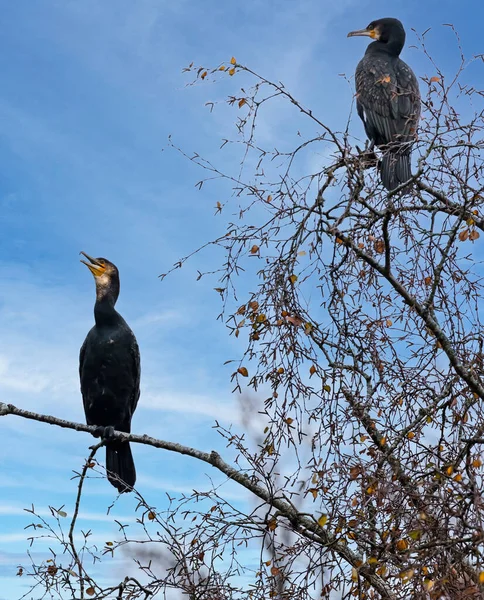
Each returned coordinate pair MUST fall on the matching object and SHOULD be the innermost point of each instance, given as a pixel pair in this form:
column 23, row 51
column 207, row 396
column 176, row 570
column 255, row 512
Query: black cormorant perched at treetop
column 109, row 369
column 388, row 99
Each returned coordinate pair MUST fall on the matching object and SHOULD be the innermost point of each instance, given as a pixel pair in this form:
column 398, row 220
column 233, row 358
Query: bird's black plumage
column 109, row 370
column 388, row 99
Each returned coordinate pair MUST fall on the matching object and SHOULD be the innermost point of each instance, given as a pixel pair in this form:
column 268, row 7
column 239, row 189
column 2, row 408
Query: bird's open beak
column 93, row 265
column 367, row 32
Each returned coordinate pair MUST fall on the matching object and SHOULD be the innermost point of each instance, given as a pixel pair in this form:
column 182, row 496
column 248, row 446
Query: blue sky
column 90, row 92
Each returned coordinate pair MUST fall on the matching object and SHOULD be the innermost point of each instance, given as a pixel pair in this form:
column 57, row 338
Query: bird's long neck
column 392, row 47
column 104, row 311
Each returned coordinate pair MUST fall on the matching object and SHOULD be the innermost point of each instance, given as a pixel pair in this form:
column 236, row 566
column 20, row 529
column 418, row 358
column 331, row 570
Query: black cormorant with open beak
column 109, row 370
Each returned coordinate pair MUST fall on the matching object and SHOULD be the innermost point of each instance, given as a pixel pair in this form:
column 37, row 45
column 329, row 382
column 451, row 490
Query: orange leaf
column 379, row 246
column 463, row 235
column 434, row 79
column 254, row 249
column 233, row 61
column 294, row 320
column 151, row 516
column 90, row 591
column 222, row 68
column 312, row 370
column 204, row 74
column 473, row 235
column 232, row 72
column 243, row 371
column 275, row 571
column 355, row 472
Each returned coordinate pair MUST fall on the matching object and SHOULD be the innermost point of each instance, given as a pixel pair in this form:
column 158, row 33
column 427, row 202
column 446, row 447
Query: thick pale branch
column 303, row 524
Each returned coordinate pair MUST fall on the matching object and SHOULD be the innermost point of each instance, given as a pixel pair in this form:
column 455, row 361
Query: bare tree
column 364, row 336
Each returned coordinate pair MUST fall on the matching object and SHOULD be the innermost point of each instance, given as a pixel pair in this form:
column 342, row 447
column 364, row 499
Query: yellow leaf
column 233, row 61
column 458, row 477
column 293, row 279
column 280, row 370
column 307, row 328
column 261, row 318
column 354, row 575
column 242, row 101
column 327, row 388
column 323, row 519
column 476, row 463
column 109, row 543
column 222, row 68
column 372, row 560
column 272, row 524
column 383, row 441
column 243, row 371
column 429, row 584
column 449, row 470
column 410, row 435
column 232, row 72
column 481, row 577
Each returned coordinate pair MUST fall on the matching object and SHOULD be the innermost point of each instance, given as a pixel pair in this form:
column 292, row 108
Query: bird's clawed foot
column 105, row 433
column 367, row 157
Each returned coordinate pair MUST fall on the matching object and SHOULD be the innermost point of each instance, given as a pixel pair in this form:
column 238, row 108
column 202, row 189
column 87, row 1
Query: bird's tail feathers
column 120, row 466
column 395, row 169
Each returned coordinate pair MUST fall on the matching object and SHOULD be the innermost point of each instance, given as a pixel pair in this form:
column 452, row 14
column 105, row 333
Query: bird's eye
column 371, row 26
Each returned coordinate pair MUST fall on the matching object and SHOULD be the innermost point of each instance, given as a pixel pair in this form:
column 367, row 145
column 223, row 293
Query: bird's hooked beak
column 373, row 33
column 94, row 265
